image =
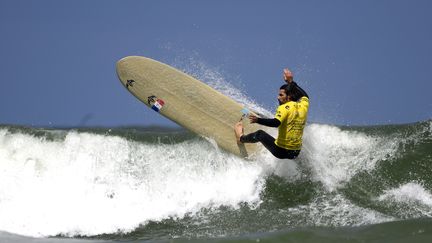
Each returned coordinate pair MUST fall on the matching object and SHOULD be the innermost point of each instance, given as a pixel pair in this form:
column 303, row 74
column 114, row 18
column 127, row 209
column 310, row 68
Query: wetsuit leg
column 269, row 142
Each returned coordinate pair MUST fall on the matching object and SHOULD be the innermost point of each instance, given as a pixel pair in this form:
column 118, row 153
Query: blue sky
column 362, row 62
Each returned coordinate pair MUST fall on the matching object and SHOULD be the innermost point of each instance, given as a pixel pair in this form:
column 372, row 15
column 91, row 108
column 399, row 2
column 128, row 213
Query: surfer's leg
column 282, row 153
column 258, row 136
column 264, row 138
column 269, row 142
column 292, row 154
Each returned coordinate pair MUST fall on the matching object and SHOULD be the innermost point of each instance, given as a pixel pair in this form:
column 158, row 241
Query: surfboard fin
column 245, row 112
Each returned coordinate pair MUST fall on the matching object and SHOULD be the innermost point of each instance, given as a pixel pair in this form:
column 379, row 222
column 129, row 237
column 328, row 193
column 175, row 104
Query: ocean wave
column 90, row 184
column 105, row 181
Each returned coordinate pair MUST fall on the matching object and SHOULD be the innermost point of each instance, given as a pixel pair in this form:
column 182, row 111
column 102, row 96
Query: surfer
column 290, row 118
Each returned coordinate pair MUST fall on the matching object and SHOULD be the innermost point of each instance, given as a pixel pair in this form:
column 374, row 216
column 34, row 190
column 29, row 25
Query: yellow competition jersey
column 292, row 116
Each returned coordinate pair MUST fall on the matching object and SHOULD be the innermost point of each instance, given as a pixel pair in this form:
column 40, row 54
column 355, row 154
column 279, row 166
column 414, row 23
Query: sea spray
column 335, row 156
column 216, row 79
column 412, row 199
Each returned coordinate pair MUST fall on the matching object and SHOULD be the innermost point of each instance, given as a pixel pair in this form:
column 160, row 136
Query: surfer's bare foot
column 238, row 129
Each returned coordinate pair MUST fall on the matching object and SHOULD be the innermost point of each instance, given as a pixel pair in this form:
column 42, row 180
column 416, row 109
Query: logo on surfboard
column 129, row 83
column 155, row 103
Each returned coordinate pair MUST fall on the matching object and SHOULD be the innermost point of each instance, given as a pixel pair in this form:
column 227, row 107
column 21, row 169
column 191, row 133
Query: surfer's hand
column 253, row 118
column 288, row 76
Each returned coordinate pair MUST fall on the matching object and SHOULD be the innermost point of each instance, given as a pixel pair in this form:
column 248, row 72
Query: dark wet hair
column 292, row 91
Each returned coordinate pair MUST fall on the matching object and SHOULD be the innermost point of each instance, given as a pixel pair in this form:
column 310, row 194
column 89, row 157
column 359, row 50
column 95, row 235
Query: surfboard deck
column 187, row 101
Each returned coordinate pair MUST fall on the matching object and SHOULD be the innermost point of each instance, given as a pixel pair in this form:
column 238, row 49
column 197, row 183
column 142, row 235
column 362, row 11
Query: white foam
column 408, row 193
column 337, row 211
column 92, row 184
column 335, row 156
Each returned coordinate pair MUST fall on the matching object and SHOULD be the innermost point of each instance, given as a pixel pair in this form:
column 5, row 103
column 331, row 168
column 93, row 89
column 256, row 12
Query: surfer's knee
column 259, row 134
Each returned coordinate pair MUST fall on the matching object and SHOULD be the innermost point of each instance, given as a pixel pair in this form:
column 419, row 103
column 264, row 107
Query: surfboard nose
column 123, row 69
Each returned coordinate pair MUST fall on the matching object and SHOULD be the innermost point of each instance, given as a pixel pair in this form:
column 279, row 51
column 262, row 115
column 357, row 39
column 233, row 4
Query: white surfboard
column 190, row 103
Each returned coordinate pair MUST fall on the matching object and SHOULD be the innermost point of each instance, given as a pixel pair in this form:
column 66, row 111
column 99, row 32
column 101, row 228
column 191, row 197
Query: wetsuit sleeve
column 303, row 93
column 269, row 122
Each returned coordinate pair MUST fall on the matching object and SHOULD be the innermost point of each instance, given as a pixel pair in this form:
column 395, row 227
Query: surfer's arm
column 302, row 92
column 289, row 78
column 269, row 122
column 265, row 121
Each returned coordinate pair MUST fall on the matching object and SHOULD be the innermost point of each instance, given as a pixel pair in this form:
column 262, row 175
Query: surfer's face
column 282, row 97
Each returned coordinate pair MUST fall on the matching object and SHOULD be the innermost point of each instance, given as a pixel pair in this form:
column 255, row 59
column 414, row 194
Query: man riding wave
column 290, row 118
